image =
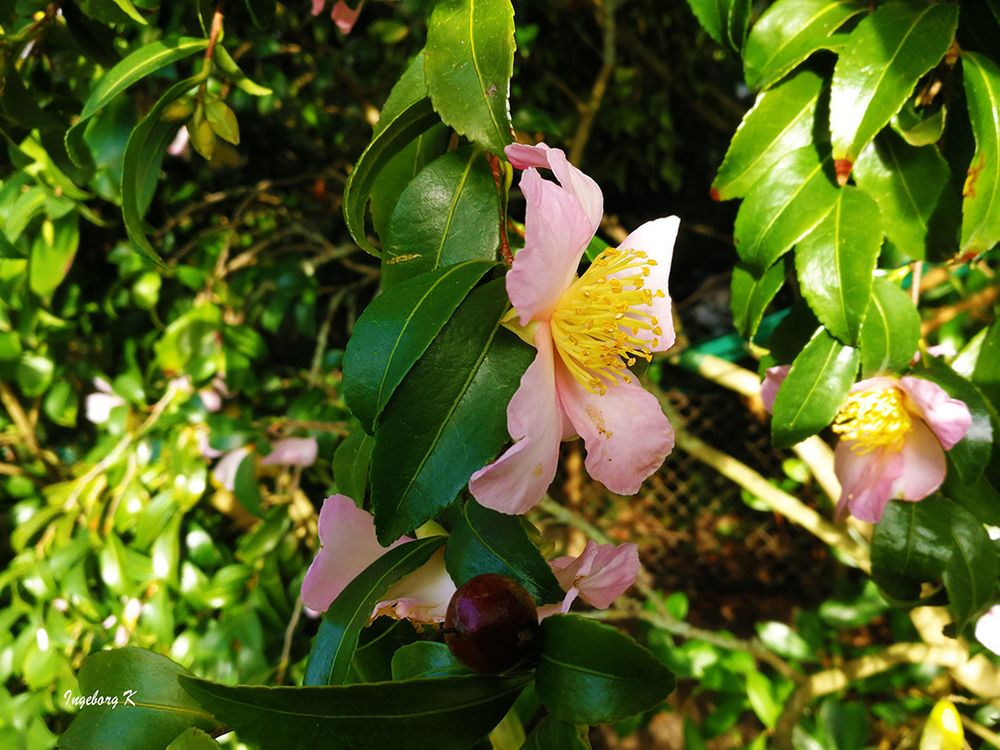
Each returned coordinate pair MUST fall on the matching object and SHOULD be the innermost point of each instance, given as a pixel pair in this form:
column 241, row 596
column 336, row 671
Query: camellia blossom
column 347, row 536
column 598, row 575
column 342, row 14
column 588, row 331
column 286, row 452
column 893, row 435
column 292, row 452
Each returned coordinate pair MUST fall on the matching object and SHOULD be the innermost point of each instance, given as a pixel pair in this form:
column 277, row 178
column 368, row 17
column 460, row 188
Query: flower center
column 597, row 322
column 873, row 419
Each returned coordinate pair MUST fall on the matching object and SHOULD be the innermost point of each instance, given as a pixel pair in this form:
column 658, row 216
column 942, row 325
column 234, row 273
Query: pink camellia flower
column 347, row 536
column 342, row 14
column 292, row 452
column 587, row 331
column 893, row 435
column 599, row 575
column 224, row 472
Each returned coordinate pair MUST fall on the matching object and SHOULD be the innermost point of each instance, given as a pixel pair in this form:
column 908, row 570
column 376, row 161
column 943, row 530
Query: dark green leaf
column 162, row 709
column 724, row 20
column 981, row 204
column 912, row 186
column 449, row 418
column 835, row 262
column 446, row 714
column 193, row 739
column 395, row 331
column 350, row 464
column 911, row 540
column 553, row 733
column 469, row 60
column 782, row 120
column 335, row 643
column 484, row 541
column 986, row 374
column 793, row 332
column 788, row 32
column 923, row 127
column 442, row 218
column 891, row 330
column 876, row 72
column 750, row 296
column 811, row 395
column 980, row 497
column 590, row 673
column 784, row 206
column 425, row 659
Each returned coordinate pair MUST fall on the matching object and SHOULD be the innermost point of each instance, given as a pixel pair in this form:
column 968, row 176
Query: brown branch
column 608, row 57
column 214, row 33
column 942, row 315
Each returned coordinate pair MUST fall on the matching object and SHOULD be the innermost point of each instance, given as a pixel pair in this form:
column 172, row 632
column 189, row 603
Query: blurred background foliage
column 118, row 382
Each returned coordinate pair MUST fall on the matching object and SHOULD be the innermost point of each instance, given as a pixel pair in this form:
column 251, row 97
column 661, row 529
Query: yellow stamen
column 873, row 419
column 597, row 322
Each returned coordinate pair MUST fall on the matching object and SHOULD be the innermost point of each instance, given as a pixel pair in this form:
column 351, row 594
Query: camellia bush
column 179, row 398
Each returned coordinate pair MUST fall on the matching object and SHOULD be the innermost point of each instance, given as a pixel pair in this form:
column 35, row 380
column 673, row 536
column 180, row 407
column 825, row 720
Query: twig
column 918, row 268
column 980, row 731
column 213, row 35
column 608, row 59
column 286, row 647
column 983, row 298
column 21, row 421
column 567, row 516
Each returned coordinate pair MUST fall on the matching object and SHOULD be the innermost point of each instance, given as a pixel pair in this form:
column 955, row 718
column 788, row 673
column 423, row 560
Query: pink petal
column 656, row 239
column 626, row 434
column 422, row 596
column 225, row 470
column 948, row 417
column 866, row 480
column 556, row 232
column 988, row 629
column 924, row 467
column 205, row 447
column 547, row 610
column 292, row 452
column 516, row 481
column 601, row 573
column 317, row 6
column 583, row 188
column 773, row 379
column 211, row 399
column 344, row 16
column 348, row 546
column 179, row 144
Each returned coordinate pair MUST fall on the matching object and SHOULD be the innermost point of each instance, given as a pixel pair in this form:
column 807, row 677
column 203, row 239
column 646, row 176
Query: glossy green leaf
column 442, row 218
column 484, row 541
column 590, row 673
column 980, row 497
column 781, row 121
column 785, row 641
column 783, row 207
column 913, row 188
column 141, row 63
column 762, row 699
column 814, row 390
column 922, row 127
column 890, row 332
column 750, row 295
column 52, row 254
column 835, row 262
column 449, row 418
column 406, row 127
column 446, row 714
column 552, row 733
column 395, row 331
column 986, row 374
column 724, row 20
column 335, row 643
column 469, row 60
column 350, row 464
column 790, row 31
column 193, row 739
column 130, row 10
column 162, row 709
column 425, row 659
column 877, row 71
column 981, row 202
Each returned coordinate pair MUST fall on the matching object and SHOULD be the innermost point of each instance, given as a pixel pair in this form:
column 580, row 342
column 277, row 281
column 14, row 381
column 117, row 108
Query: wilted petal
column 348, row 546
column 345, row 16
column 948, row 417
column 516, row 481
column 656, row 239
column 556, row 232
column 626, row 434
column 601, row 573
column 422, row 596
column 292, row 452
column 773, row 378
column 866, row 480
column 924, row 466
column 225, row 470
column 988, row 629
column 582, row 187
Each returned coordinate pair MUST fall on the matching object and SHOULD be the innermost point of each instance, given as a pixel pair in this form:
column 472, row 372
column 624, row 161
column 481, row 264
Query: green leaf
column 129, row 10
column 449, row 418
column 162, row 709
column 141, row 63
column 335, row 643
column 986, row 374
column 61, row 405
column 52, row 254
column 414, row 120
column 890, row 332
column 835, row 262
column 724, row 20
column 981, row 203
column 193, row 739
column 484, row 541
column 912, row 187
column 762, row 699
column 552, row 733
column 922, row 127
column 877, row 71
column 790, row 31
column 443, row 217
column 972, row 453
column 783, row 207
column 34, row 374
column 469, row 60
column 350, row 464
column 781, row 121
column 245, row 485
column 811, row 395
column 223, row 121
column 425, row 659
column 784, row 641
column 590, row 673
column 446, row 714
column 394, row 332
column 980, row 497
column 225, row 63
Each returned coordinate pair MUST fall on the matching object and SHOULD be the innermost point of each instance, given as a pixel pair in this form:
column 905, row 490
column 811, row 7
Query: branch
column 608, row 55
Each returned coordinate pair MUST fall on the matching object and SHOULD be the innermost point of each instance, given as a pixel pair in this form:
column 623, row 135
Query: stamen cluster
column 873, row 419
